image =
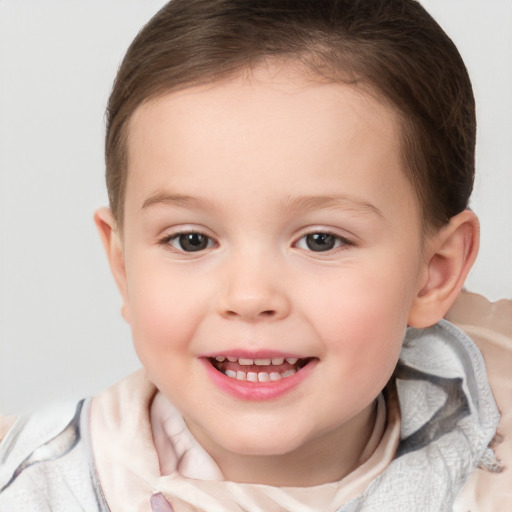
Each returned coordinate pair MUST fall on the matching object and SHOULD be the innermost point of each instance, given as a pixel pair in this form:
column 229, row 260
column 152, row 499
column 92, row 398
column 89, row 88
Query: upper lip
column 259, row 354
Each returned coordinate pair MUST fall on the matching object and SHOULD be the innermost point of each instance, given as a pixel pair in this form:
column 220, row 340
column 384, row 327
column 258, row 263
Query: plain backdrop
column 61, row 333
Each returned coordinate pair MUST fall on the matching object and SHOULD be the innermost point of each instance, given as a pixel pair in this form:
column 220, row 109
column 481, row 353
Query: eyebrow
column 300, row 203
column 174, row 200
column 346, row 202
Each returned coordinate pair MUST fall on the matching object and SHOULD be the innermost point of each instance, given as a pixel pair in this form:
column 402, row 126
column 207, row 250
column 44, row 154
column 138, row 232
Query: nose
column 254, row 290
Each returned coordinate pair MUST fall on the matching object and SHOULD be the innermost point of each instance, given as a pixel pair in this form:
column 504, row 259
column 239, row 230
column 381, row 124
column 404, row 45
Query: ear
column 449, row 257
column 112, row 243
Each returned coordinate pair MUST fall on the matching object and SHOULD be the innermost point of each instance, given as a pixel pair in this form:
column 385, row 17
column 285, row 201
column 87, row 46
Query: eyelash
column 323, row 237
column 167, row 240
column 340, row 242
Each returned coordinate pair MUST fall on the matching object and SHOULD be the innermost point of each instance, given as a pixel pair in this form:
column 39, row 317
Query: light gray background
column 61, row 333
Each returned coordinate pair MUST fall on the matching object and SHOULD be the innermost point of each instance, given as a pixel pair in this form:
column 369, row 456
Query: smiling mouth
column 259, row 370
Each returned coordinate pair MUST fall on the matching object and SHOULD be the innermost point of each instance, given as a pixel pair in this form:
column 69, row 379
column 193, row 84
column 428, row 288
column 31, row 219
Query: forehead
column 272, row 125
column 279, row 85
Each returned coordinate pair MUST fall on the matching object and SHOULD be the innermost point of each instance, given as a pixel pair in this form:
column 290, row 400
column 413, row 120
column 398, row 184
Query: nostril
column 268, row 313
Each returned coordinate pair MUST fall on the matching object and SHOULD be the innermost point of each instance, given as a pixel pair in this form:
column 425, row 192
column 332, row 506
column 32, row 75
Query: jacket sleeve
column 489, row 324
column 45, row 463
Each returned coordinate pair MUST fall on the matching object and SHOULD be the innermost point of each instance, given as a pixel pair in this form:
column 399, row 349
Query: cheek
column 365, row 333
column 362, row 320
column 358, row 304
column 158, row 307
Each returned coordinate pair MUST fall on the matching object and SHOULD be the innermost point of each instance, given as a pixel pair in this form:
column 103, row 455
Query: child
column 288, row 186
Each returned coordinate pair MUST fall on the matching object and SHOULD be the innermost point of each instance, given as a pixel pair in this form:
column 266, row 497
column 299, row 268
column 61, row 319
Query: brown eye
column 191, row 242
column 319, row 242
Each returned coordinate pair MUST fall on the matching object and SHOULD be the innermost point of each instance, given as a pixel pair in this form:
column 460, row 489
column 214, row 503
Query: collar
column 449, row 418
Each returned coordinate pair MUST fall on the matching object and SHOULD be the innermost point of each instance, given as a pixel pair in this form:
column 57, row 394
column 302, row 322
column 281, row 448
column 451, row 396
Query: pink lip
column 257, row 391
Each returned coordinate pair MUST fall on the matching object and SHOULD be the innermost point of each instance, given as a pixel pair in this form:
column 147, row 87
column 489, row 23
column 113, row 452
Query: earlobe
column 449, row 258
column 111, row 239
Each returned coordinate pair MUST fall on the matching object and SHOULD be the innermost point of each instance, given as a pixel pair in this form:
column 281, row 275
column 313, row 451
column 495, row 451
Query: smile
column 259, row 370
column 257, row 377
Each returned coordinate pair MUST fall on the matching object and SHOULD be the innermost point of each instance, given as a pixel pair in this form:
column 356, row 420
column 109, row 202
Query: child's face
column 269, row 217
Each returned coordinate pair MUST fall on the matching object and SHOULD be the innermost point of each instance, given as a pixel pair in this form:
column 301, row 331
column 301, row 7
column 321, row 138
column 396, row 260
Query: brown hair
column 392, row 47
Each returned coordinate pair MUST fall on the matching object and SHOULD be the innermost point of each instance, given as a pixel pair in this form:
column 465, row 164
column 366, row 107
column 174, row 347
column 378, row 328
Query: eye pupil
column 191, row 242
column 320, row 241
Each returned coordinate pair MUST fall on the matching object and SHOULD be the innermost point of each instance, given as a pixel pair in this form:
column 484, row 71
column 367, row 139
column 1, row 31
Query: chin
column 263, row 443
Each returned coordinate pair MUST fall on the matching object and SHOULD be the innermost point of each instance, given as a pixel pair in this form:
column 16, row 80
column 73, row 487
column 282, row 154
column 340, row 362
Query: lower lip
column 258, row 391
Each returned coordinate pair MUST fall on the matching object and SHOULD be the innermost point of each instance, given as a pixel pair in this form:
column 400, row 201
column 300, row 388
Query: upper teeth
column 258, row 362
